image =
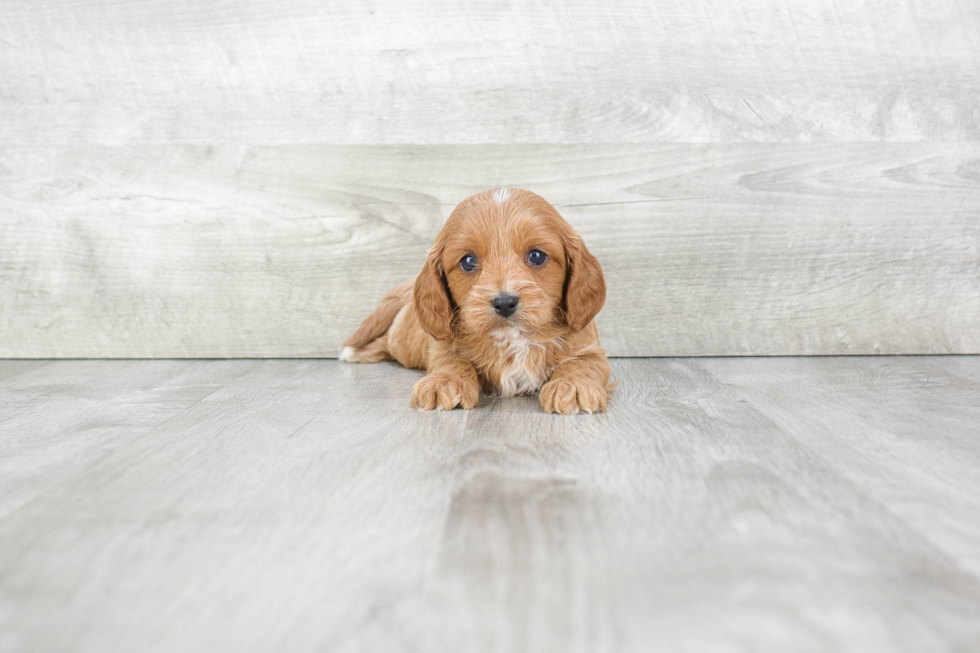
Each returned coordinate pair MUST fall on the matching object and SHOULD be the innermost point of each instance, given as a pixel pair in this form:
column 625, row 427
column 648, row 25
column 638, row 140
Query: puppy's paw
column 444, row 392
column 569, row 397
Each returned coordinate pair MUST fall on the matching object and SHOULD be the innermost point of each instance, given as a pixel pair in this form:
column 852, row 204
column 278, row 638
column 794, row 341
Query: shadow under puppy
column 504, row 304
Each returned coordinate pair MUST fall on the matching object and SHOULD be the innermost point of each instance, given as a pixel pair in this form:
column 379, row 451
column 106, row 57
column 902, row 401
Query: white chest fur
column 523, row 371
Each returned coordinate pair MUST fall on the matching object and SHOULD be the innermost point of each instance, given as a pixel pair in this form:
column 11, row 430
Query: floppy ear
column 432, row 303
column 585, row 287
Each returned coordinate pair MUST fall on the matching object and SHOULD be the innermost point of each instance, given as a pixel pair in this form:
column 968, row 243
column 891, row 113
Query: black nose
column 505, row 305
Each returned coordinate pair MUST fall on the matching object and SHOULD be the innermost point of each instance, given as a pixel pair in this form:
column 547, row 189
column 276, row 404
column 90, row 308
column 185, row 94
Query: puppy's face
column 507, row 258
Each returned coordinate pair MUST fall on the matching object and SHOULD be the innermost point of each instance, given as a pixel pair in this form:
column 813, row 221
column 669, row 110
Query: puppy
column 504, row 304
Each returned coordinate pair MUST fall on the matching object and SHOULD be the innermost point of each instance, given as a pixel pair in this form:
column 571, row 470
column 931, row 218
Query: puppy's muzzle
column 504, row 305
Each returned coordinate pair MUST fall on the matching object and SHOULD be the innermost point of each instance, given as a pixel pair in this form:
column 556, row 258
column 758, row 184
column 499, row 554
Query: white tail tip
column 346, row 353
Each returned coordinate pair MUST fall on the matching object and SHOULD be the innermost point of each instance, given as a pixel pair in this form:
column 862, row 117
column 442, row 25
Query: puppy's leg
column 451, row 381
column 580, row 384
column 375, row 351
column 369, row 344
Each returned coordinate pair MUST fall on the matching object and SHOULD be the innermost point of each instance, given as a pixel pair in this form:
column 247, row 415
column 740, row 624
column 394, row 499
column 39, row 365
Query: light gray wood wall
column 182, row 179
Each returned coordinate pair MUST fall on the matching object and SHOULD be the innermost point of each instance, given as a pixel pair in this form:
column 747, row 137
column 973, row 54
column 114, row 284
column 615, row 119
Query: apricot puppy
column 504, row 304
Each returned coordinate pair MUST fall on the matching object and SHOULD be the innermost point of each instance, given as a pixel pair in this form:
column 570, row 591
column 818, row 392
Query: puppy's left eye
column 536, row 257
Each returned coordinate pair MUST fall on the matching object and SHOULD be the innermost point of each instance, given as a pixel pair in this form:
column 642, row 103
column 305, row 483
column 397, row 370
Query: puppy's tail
column 369, row 344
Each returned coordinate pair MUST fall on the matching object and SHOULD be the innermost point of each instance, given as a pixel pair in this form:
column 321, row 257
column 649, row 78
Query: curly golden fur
column 443, row 321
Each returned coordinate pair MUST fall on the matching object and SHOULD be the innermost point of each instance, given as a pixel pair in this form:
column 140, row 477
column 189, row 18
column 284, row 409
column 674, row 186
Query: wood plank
column 13, row 369
column 682, row 503
column 59, row 419
column 306, row 506
column 903, row 429
column 748, row 249
column 281, row 463
column 965, row 367
column 132, row 72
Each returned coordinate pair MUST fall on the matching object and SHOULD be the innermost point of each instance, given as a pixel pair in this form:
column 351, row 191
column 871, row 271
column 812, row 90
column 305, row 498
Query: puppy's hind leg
column 369, row 344
column 375, row 351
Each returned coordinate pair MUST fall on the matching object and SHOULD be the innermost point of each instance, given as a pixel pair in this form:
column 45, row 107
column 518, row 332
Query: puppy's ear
column 585, row 287
column 432, row 302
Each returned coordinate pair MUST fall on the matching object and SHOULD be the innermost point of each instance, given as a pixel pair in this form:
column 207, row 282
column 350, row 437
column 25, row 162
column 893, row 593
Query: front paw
column 570, row 397
column 444, row 392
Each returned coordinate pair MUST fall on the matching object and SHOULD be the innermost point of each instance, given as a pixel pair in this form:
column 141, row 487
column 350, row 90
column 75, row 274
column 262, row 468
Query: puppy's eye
column 468, row 263
column 536, row 257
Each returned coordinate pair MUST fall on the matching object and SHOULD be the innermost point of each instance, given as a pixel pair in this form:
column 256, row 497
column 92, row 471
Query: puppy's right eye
column 468, row 263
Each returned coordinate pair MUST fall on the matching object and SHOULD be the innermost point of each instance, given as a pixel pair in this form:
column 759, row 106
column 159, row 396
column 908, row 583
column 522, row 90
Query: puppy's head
column 507, row 258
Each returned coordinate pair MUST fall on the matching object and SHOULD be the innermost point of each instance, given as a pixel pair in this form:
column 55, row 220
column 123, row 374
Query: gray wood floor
column 782, row 504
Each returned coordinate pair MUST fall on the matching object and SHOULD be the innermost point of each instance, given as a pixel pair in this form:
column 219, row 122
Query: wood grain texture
column 893, row 403
column 240, row 251
column 131, row 72
column 764, row 505
column 247, row 178
column 43, row 443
